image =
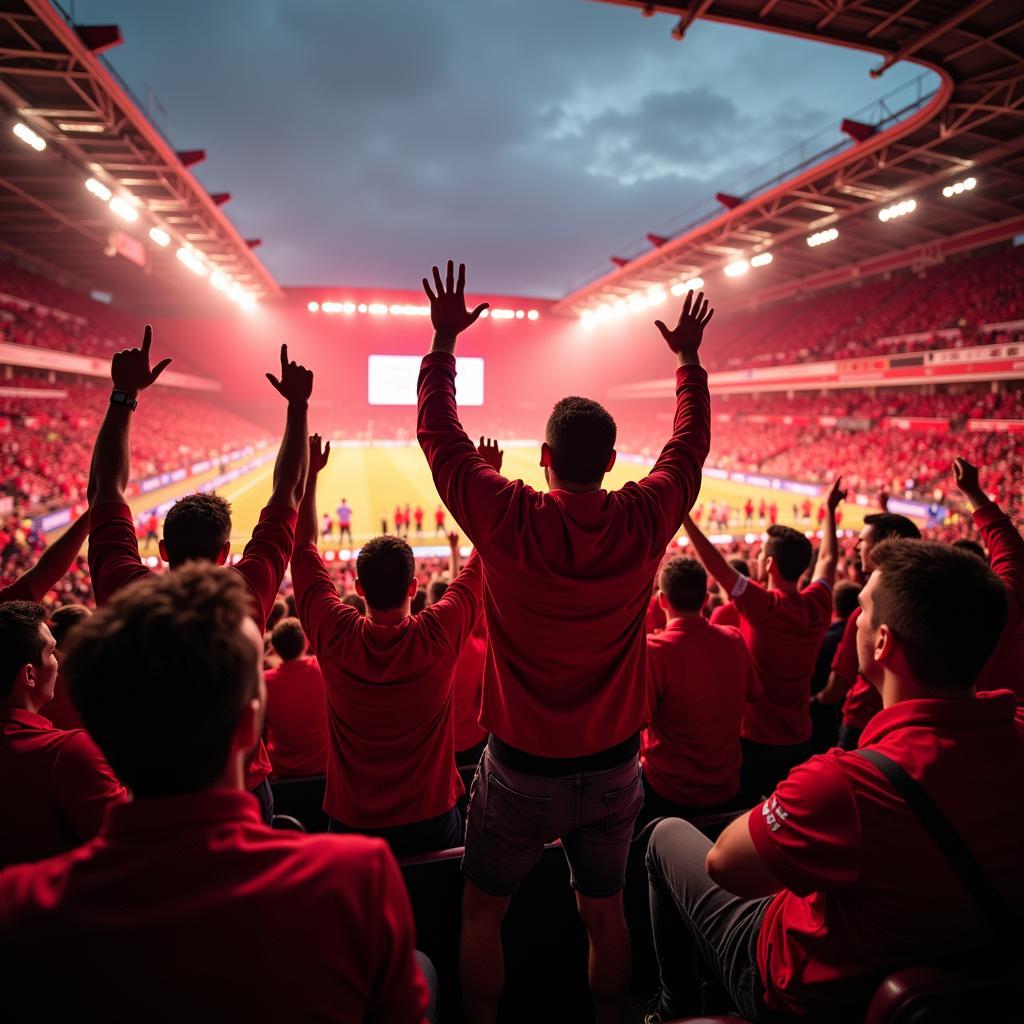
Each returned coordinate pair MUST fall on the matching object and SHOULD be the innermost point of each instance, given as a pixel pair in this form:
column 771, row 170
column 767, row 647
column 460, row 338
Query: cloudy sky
column 532, row 138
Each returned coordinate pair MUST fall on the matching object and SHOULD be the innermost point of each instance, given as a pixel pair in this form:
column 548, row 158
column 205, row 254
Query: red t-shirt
column 296, row 727
column 567, row 577
column 700, row 677
column 866, row 888
column 61, row 711
column 258, row 924
column 726, row 615
column 1006, row 550
column 469, row 685
column 17, row 591
column 656, row 618
column 55, row 787
column 391, row 758
column 114, row 562
column 863, row 701
column 783, row 633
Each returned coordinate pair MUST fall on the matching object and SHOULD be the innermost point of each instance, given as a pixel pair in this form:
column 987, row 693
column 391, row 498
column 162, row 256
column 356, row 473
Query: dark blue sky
column 532, row 138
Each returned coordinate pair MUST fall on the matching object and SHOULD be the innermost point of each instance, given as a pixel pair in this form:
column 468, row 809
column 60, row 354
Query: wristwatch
column 119, row 397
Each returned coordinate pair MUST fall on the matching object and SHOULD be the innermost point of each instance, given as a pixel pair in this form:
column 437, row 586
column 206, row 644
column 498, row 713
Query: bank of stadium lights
column 762, row 259
column 124, row 209
column 736, row 268
column 29, row 137
column 823, row 237
column 160, row 237
column 958, row 188
column 98, row 189
column 897, row 210
column 190, row 260
column 407, row 309
column 692, row 285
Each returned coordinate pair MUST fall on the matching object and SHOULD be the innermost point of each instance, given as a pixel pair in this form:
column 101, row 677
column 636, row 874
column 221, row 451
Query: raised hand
column 685, row 338
column 130, row 371
column 490, row 453
column 836, row 494
column 453, row 540
column 296, row 383
column 318, row 455
column 967, row 482
column 448, row 311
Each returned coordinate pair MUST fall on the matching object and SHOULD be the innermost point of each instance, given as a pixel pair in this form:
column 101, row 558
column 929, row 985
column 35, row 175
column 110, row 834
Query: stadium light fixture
column 656, row 296
column 762, row 259
column 84, row 127
column 637, row 302
column 247, row 301
column 361, row 307
column 958, row 188
column 190, row 261
column 160, row 236
column 29, row 137
column 503, row 314
column 98, row 189
column 219, row 281
column 586, row 316
column 520, row 314
column 823, row 237
column 736, row 268
column 484, row 314
column 124, row 209
column 897, row 210
column 534, row 315
column 313, row 307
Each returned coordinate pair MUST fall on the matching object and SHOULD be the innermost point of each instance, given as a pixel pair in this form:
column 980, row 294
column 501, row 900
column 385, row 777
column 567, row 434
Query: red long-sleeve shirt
column 567, row 577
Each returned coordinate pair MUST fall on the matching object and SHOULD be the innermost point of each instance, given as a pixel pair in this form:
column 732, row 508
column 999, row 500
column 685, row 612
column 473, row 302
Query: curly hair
column 196, row 528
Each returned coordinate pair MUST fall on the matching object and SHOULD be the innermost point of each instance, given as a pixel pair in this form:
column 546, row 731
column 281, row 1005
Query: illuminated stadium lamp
column 619, row 309
column 520, row 314
column 898, row 210
column 958, row 188
column 98, row 189
column 602, row 312
column 484, row 314
column 534, row 315
column 637, row 302
column 247, row 302
column 762, row 259
column 190, row 261
column 656, row 295
column 348, row 307
column 85, row 127
column 330, row 307
column 160, row 236
column 361, row 307
column 679, row 289
column 695, row 283
column 376, row 309
column 823, row 237
column 586, row 316
column 313, row 307
column 219, row 281
column 29, row 137
column 124, row 209
column 503, row 314
column 736, row 268
column 328, row 555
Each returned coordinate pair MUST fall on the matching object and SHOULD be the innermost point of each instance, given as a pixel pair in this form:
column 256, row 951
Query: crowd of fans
column 598, row 677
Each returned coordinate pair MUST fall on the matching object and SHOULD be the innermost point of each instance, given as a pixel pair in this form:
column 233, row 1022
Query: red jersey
column 656, row 617
column 320, row 925
column 726, row 615
column 55, row 787
column 701, row 676
column 783, row 632
column 469, row 688
column 296, row 726
column 391, row 759
column 567, row 577
column 866, row 888
column 863, row 701
column 114, row 562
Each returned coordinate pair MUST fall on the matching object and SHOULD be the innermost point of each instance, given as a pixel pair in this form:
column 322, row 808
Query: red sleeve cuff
column 987, row 515
column 759, row 834
column 109, row 512
column 687, row 374
column 438, row 359
column 279, row 514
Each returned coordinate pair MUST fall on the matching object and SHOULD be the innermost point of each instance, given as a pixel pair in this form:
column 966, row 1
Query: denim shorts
column 512, row 815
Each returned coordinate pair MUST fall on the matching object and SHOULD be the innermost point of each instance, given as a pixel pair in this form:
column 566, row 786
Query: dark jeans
column 440, row 833
column 765, row 765
column 423, row 962
column 700, row 928
column 658, row 806
column 849, row 737
column 265, row 795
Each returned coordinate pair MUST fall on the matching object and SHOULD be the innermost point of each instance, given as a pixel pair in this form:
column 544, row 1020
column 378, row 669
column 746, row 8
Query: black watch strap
column 119, row 397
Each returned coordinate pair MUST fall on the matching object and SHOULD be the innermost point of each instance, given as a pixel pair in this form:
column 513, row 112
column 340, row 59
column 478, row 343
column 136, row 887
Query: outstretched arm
column 710, row 557
column 111, row 457
column 55, row 561
column 825, row 566
column 295, row 385
column 306, row 531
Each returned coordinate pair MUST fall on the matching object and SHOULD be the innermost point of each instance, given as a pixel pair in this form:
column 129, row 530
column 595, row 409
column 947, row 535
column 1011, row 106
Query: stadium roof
column 917, row 144
column 53, row 81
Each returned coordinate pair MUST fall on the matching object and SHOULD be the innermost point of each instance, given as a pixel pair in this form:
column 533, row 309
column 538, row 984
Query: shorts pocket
column 514, row 822
column 623, row 805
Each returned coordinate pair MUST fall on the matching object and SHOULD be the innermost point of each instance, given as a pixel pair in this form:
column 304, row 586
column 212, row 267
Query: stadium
column 453, row 630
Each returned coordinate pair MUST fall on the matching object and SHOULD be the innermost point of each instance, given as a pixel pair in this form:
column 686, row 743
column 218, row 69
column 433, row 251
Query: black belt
column 554, row 767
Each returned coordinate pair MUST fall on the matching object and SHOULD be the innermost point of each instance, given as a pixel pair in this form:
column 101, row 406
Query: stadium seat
column 286, row 823
column 302, row 799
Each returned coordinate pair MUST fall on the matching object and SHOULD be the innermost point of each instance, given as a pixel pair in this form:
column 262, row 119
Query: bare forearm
column 111, row 457
column 710, row 557
column 443, row 342
column 292, row 457
column 55, row 561
column 306, row 530
column 825, row 567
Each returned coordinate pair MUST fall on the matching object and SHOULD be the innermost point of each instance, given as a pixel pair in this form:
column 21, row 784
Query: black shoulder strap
column 945, row 837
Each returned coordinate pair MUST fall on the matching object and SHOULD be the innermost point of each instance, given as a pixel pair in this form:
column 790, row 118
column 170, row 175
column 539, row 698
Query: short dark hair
column 946, row 608
column 385, row 567
column 888, row 524
column 353, row 600
column 196, row 528
column 790, row 549
column 740, row 565
column 436, row 590
column 160, row 675
column 278, row 611
column 684, row 582
column 844, row 598
column 972, row 547
column 63, row 620
column 581, row 436
column 21, row 640
column 288, row 639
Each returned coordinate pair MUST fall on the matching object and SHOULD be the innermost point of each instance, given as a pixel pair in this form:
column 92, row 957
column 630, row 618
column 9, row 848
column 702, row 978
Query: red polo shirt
column 19, row 590
column 700, row 678
column 114, row 562
column 253, row 924
column 1006, row 550
column 55, row 787
column 783, row 633
column 866, row 888
column 567, row 577
column 469, row 683
column 389, row 697
column 297, row 719
column 726, row 615
column 862, row 700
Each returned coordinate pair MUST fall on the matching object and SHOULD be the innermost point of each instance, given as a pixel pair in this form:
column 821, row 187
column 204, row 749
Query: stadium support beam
column 220, row 198
column 100, row 37
column 191, row 157
column 730, row 202
column 656, row 240
column 857, row 130
column 254, row 243
column 620, row 261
